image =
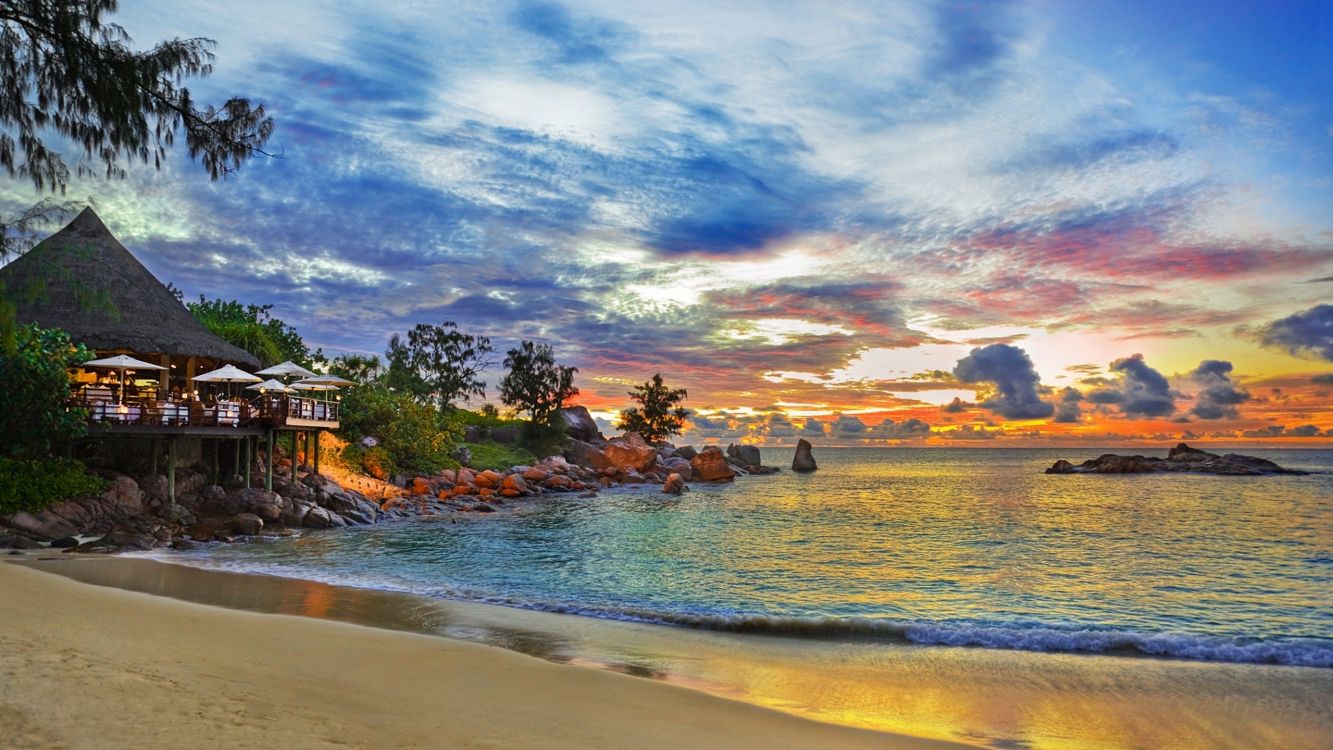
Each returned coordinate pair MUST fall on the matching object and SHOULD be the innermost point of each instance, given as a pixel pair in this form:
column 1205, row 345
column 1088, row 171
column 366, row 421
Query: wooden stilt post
column 268, row 460
column 315, row 460
column 171, row 469
column 295, row 437
column 245, row 446
column 236, row 458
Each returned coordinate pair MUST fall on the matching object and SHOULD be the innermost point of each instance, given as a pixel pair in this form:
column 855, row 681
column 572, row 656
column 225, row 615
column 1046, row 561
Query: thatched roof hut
column 82, row 280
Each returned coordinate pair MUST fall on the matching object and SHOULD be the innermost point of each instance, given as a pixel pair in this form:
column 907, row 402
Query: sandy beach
column 92, row 667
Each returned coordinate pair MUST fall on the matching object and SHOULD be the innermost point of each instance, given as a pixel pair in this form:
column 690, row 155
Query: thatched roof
column 82, row 280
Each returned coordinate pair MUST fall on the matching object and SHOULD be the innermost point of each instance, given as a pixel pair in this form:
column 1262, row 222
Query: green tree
column 410, row 433
column 658, row 415
column 362, row 368
column 535, row 383
column 438, row 363
column 66, row 71
column 34, row 386
column 254, row 329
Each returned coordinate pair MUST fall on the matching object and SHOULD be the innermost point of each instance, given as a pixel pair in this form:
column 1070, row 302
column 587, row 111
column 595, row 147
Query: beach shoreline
column 964, row 695
column 150, row 671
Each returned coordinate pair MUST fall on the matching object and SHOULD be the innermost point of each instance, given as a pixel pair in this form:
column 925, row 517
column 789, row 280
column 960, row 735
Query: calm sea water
column 932, row 546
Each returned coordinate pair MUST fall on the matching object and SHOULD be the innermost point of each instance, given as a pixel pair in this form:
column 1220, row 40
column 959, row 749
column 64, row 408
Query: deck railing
column 277, row 411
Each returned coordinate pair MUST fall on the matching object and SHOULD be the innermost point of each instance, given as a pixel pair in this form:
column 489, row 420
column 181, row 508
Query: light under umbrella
column 122, row 362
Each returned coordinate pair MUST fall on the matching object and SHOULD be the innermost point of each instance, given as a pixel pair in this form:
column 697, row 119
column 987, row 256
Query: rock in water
column 674, row 485
column 1181, row 458
column 711, row 466
column 804, row 461
column 748, row 455
column 630, row 452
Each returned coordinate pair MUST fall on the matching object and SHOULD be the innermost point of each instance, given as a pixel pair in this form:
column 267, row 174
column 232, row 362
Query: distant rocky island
column 1181, row 458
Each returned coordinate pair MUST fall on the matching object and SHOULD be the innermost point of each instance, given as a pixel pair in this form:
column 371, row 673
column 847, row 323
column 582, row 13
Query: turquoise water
column 932, row 546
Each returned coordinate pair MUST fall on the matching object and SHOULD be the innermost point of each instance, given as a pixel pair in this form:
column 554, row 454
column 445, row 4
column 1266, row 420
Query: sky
column 917, row 223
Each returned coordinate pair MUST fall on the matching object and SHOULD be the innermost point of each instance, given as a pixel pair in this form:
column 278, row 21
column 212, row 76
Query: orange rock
column 510, row 492
column 420, row 486
column 559, row 481
column 711, row 466
column 630, row 452
column 490, row 479
column 485, row 492
column 461, row 489
column 535, row 474
column 514, row 482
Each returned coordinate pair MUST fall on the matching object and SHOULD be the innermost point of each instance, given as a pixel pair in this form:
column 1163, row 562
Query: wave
column 1017, row 636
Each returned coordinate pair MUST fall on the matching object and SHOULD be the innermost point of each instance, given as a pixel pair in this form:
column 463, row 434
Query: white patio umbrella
column 227, row 374
column 277, row 386
column 122, row 362
column 314, row 384
column 287, row 369
column 332, row 380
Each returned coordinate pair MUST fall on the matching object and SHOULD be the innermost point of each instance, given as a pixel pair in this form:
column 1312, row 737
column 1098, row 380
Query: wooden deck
column 196, row 418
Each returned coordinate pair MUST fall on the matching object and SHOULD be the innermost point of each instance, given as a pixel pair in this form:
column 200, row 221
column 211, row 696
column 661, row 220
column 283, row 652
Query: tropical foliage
column 32, row 484
column 34, row 386
column 254, row 329
column 658, row 415
column 438, row 363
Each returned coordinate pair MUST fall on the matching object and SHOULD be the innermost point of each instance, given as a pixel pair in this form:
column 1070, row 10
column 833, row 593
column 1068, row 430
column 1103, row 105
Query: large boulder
column 580, row 425
column 748, row 455
column 246, row 524
column 710, row 465
column 43, row 525
column 630, row 451
column 586, row 455
column 1181, row 458
column 804, row 460
column 126, row 495
column 679, row 466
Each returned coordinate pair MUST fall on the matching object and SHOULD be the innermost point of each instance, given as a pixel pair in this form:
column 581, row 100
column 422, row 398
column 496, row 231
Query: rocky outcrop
column 580, row 425
column 711, row 466
column 804, row 460
column 1181, row 458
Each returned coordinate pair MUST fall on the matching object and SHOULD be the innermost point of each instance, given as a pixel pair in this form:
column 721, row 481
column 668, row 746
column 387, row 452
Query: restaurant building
column 85, row 282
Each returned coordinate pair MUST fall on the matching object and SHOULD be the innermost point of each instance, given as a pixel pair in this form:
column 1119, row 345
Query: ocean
column 932, row 547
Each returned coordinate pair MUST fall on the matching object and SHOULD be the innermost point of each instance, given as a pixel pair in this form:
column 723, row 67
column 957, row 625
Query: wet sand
column 85, row 666
column 1000, row 699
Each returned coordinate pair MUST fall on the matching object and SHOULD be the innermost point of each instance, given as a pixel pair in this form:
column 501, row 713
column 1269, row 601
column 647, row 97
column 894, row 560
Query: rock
column 679, row 466
column 535, row 474
column 711, row 466
column 483, row 508
column 804, row 461
column 675, row 484
column 318, row 518
column 65, row 542
column 1181, row 458
column 490, row 479
column 420, row 486
column 43, row 525
column 559, row 482
column 687, row 452
column 580, row 425
column 748, row 455
column 634, row 477
column 586, row 455
column 178, row 514
column 513, row 483
column 125, row 494
column 183, row 545
column 9, row 540
column 211, row 494
column 463, row 455
column 630, row 452
column 246, row 524
column 154, row 488
column 120, row 539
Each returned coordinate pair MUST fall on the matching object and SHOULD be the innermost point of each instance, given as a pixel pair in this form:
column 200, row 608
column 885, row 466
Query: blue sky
column 816, row 210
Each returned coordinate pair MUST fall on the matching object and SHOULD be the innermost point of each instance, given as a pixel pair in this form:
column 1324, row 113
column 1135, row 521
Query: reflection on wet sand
column 997, row 699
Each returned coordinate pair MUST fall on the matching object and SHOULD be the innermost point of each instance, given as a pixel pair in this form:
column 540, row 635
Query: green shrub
column 33, row 484
column 413, row 437
column 34, row 385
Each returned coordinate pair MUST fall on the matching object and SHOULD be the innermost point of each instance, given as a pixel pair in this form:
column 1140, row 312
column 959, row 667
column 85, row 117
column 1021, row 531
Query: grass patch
column 34, row 484
column 493, row 455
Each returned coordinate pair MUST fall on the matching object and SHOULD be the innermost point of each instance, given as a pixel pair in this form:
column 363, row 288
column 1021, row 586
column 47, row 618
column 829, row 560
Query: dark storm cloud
column 957, row 406
column 1219, row 394
column 848, row 426
column 1325, row 378
column 813, row 426
column 1068, row 411
column 1010, row 370
column 1306, row 333
column 1140, row 392
column 904, row 430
